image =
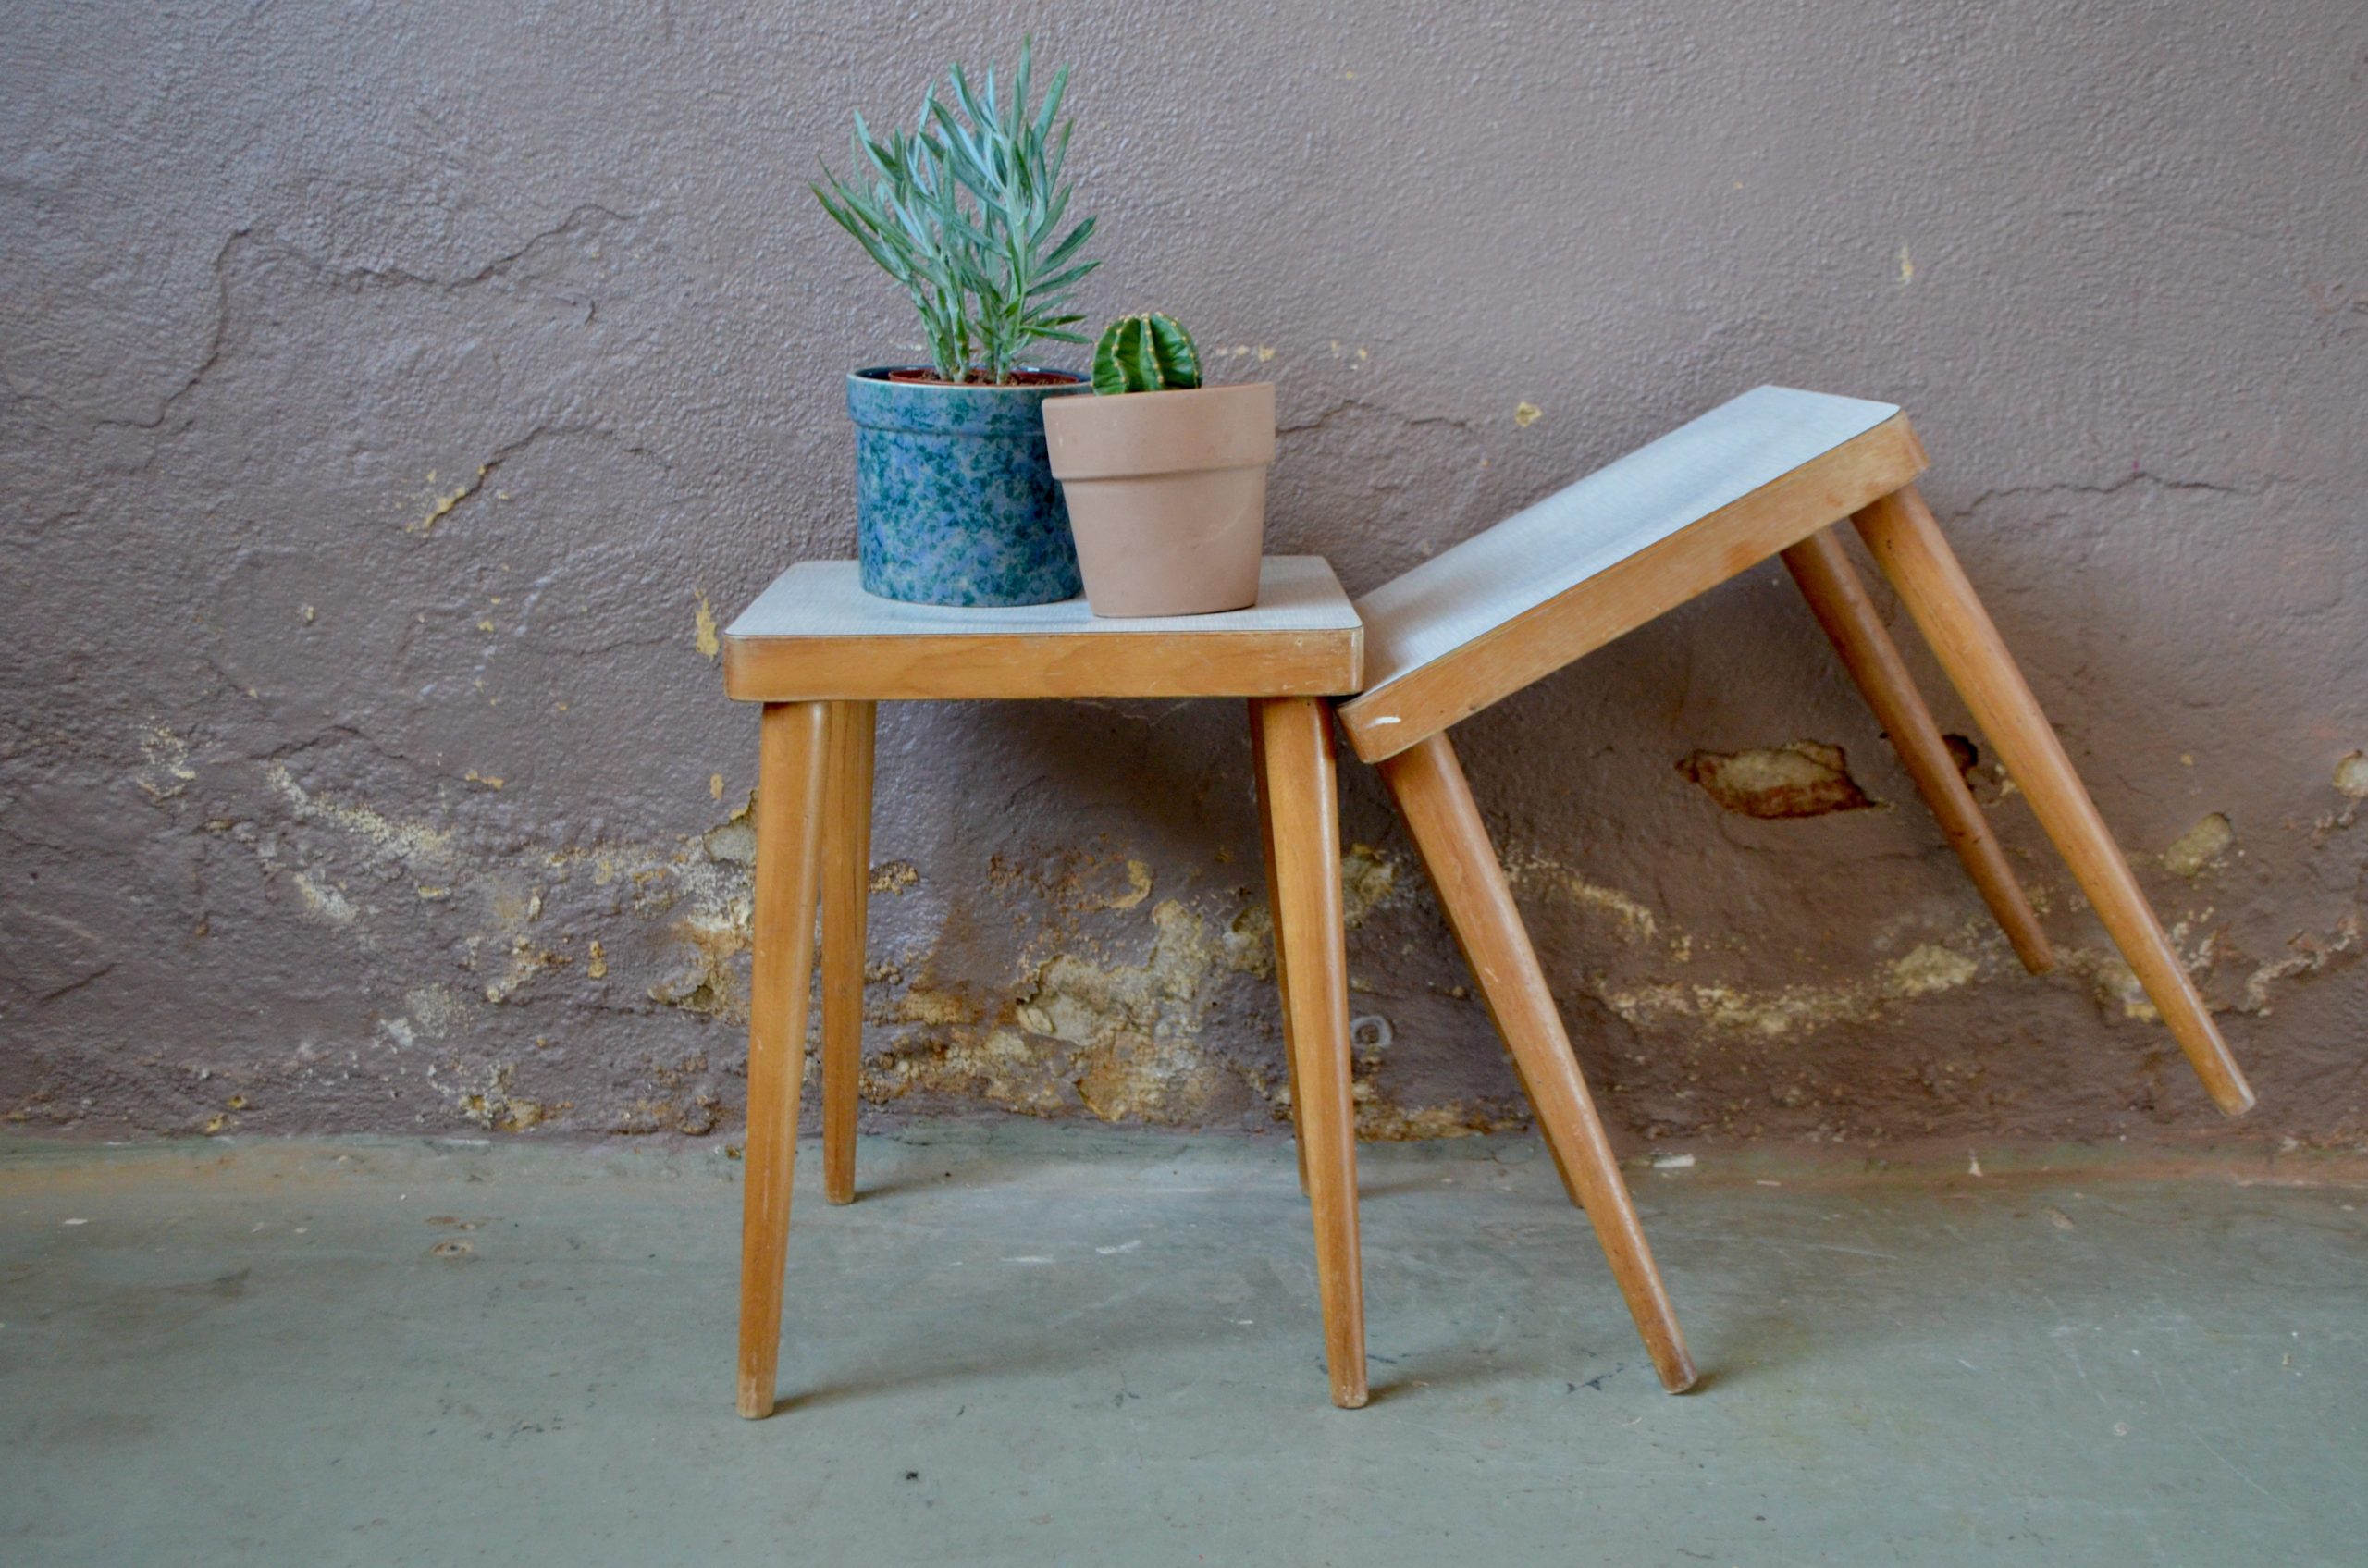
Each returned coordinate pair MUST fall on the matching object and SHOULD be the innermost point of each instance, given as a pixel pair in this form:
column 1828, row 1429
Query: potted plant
column 955, row 503
column 1166, row 479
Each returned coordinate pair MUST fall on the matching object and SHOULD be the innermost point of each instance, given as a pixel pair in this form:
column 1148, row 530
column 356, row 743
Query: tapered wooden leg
column 1303, row 799
column 1840, row 603
column 1436, row 801
column 1907, row 542
column 789, row 822
column 846, row 878
column 1282, row 976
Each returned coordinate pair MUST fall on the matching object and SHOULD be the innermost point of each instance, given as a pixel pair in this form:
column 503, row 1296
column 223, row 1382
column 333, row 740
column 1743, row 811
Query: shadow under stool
column 1772, row 472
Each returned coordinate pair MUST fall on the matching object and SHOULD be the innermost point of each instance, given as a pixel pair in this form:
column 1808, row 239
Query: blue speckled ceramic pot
column 955, row 500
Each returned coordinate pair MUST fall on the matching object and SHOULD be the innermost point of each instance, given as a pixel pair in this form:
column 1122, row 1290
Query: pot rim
column 878, row 375
column 1138, row 399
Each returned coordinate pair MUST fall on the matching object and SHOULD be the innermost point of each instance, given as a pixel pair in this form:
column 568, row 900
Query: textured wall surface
column 398, row 397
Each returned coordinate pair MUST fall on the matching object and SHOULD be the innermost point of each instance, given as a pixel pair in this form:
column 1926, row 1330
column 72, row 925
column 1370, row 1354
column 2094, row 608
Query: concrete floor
column 1033, row 1345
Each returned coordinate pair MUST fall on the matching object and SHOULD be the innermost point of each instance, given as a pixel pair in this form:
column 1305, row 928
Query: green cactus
column 1146, row 353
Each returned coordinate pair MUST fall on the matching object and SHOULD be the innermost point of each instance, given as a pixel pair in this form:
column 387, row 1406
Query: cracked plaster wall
column 397, row 398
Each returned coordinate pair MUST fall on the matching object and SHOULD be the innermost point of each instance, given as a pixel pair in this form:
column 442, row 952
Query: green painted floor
column 1038, row 1346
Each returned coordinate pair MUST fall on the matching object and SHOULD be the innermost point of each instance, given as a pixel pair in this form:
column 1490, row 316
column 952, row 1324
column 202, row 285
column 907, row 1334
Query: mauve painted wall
column 396, row 397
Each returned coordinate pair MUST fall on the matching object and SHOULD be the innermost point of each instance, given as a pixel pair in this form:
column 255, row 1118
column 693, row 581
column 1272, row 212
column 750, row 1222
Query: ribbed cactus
column 1146, row 353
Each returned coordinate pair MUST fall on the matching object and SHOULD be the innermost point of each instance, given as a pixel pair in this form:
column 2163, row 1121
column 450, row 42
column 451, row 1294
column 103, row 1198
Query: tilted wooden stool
column 1772, row 471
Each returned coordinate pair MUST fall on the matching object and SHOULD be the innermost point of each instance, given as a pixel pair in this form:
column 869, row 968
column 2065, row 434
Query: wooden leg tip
column 842, row 1198
column 755, row 1406
column 1681, row 1378
column 2236, row 1101
column 1351, row 1398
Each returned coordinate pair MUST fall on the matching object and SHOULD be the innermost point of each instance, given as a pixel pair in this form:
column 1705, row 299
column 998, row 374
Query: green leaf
column 1045, row 116
column 1075, row 239
column 964, row 212
column 1054, row 285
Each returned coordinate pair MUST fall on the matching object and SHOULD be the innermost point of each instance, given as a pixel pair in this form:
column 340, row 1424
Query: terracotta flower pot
column 1167, row 494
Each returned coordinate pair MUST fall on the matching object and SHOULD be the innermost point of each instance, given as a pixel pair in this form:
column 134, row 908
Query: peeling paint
column 166, row 771
column 2111, row 983
column 1808, row 778
column 1368, row 882
column 1379, row 1120
column 1136, row 1023
column 1532, row 872
column 1248, row 942
column 482, row 1095
column 1138, row 886
column 413, row 845
column 700, row 883
column 441, row 505
column 324, row 901
column 1930, row 969
column 2351, row 783
column 1526, row 413
column 2306, row 956
column 2201, row 847
column 1778, row 1012
column 703, row 636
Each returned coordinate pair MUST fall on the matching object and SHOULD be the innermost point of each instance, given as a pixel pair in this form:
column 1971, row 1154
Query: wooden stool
column 820, row 653
column 1771, row 472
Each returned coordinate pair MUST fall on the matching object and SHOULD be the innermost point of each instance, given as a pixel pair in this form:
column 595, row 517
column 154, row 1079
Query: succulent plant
column 963, row 212
column 1146, row 353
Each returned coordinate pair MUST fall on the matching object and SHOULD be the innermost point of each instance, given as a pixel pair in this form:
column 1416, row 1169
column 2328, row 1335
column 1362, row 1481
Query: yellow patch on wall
column 2200, row 846
column 1138, row 886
